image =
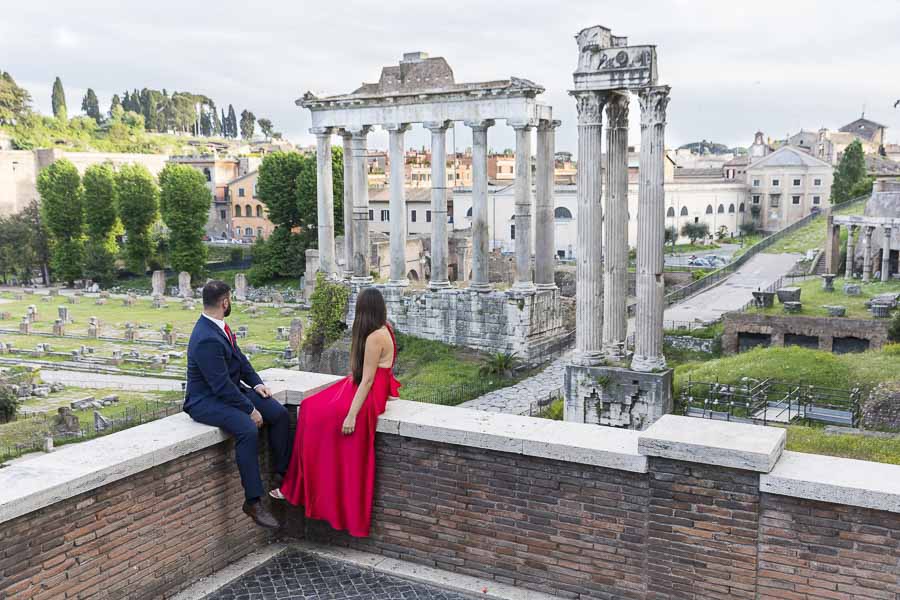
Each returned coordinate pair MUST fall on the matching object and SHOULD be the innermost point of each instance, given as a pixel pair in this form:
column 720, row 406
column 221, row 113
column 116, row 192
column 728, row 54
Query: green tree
column 232, row 123
column 100, row 217
column 184, row 205
column 248, row 124
column 36, row 247
column 58, row 100
column 62, row 203
column 276, row 187
column 138, row 207
column 265, row 125
column 695, row 231
column 115, row 103
column 850, row 180
column 91, row 106
column 14, row 100
column 328, row 310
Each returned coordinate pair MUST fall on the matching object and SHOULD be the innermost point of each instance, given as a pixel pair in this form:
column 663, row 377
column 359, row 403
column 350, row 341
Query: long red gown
column 331, row 474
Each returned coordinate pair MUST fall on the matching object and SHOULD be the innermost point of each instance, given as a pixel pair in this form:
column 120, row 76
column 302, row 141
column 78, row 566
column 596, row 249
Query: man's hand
column 263, row 390
column 257, row 418
column 349, row 425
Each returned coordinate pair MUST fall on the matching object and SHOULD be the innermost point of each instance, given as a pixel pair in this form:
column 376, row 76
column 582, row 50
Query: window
column 669, row 213
column 795, row 199
column 776, row 182
column 249, row 211
column 684, row 211
column 796, row 182
column 385, row 215
column 428, row 216
column 756, row 199
column 259, row 210
column 259, row 232
column 412, row 216
column 709, row 209
column 775, row 200
column 512, row 232
column 222, row 214
column 817, row 182
column 561, row 212
column 371, row 215
column 721, row 209
column 756, row 183
column 207, row 173
column 817, row 199
column 469, row 212
column 240, row 192
column 237, row 210
column 741, row 207
column 248, row 232
column 731, row 209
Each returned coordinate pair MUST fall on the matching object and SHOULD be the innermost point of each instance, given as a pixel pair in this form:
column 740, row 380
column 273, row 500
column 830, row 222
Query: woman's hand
column 349, row 425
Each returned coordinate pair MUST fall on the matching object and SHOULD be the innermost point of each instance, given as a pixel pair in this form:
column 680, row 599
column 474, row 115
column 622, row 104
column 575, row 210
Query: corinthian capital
column 590, row 107
column 653, row 105
column 617, row 112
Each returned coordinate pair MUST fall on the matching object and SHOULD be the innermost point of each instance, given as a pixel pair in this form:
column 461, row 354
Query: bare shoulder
column 380, row 337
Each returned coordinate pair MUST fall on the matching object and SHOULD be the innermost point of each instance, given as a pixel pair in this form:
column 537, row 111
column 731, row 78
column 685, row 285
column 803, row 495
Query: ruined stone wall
column 825, row 328
column 881, row 410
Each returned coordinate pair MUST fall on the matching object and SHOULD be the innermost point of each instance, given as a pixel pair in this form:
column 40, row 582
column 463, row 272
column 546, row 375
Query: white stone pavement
column 517, row 399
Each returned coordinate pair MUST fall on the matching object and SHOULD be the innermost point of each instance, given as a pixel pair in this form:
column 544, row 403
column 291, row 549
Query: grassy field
column 813, row 298
column 812, row 235
column 749, row 241
column 814, row 440
column 689, row 248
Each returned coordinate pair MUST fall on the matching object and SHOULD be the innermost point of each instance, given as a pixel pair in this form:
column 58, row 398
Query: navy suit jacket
column 215, row 369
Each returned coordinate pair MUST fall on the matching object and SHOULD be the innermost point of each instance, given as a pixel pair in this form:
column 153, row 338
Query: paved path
column 295, row 575
column 517, row 399
column 104, row 380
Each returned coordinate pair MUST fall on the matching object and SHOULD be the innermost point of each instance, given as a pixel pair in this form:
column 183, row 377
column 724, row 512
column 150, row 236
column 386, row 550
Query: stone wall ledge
column 721, row 443
column 836, row 480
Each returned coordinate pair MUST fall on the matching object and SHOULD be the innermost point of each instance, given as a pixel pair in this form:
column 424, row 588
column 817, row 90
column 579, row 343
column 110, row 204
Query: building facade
column 786, row 185
column 249, row 216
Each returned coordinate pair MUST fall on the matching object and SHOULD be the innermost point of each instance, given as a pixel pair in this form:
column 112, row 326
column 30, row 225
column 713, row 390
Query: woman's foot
column 276, row 494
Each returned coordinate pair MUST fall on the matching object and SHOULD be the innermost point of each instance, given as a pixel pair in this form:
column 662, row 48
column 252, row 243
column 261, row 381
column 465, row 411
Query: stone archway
column 412, row 275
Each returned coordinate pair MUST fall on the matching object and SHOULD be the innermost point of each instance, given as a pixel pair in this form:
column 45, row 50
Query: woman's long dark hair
column 371, row 315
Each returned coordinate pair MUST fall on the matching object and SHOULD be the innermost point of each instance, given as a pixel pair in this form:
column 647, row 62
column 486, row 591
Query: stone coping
column 837, row 480
column 721, row 443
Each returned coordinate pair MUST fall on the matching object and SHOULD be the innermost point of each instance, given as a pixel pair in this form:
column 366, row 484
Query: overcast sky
column 734, row 67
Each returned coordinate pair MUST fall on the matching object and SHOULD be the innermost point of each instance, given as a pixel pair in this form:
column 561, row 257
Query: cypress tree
column 58, row 100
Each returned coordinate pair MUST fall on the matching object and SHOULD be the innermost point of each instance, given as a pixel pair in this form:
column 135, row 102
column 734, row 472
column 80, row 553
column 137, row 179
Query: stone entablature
column 825, row 329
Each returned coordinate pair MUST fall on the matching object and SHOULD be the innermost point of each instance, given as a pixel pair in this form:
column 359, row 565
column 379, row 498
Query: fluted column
column 832, row 244
column 480, row 281
column 439, row 245
column 544, row 223
column 867, row 254
column 348, row 204
column 397, row 204
column 361, row 273
column 523, row 207
column 648, row 339
column 886, row 255
column 615, row 228
column 325, row 200
column 589, row 242
column 851, row 249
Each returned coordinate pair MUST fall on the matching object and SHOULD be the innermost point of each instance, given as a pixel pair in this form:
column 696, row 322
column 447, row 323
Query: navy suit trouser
column 239, row 424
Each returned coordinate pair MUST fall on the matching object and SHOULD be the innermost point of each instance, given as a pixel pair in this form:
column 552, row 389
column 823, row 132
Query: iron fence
column 454, row 394
column 541, row 407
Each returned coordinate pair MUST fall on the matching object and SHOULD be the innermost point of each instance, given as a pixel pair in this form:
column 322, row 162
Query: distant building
column 866, row 130
column 249, row 216
column 786, row 185
column 418, row 210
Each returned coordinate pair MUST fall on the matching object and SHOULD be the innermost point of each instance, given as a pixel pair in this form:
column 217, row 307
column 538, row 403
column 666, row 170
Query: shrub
column 894, row 330
column 328, row 309
column 695, row 231
column 9, row 403
column 501, row 363
column 748, row 228
column 236, row 255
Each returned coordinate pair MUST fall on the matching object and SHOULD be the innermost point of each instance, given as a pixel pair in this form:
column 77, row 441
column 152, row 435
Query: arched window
column 249, row 211
column 684, row 212
column 709, row 209
column 561, row 212
column 259, row 232
column 259, row 210
column 741, row 207
column 237, row 210
column 207, row 173
column 248, row 232
column 670, row 212
column 731, row 209
column 721, row 209
column 469, row 212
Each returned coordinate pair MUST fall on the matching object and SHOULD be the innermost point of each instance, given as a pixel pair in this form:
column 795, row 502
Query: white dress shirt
column 218, row 322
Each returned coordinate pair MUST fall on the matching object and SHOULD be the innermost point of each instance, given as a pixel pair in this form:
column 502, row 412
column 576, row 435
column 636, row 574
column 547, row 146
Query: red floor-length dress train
column 331, row 474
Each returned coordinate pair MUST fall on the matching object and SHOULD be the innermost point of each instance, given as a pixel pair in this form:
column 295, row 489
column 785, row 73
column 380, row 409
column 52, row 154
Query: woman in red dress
column 332, row 469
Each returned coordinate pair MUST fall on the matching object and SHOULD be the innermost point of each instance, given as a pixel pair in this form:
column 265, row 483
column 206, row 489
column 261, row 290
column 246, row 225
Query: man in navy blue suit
column 223, row 390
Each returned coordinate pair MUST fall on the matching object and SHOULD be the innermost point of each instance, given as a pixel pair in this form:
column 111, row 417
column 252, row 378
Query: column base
column 481, row 288
column 362, row 280
column 546, row 287
column 346, row 275
column 590, row 358
column 616, row 397
column 438, row 285
column 648, row 364
column 524, row 287
column 398, row 283
column 615, row 351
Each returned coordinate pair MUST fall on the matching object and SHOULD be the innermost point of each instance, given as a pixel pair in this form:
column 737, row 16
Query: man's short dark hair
column 214, row 291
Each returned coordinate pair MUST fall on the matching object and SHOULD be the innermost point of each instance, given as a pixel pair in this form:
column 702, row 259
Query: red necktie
column 229, row 334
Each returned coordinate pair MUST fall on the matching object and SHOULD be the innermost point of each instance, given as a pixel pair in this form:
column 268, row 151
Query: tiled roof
column 789, row 156
column 708, row 172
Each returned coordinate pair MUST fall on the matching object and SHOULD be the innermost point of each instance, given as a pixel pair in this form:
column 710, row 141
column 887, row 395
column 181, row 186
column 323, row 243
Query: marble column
column 480, row 250
column 523, row 280
column 867, row 253
column 648, row 339
column 361, row 274
column 397, row 204
column 544, row 222
column 325, row 200
column 439, row 247
column 851, row 249
column 348, row 203
column 589, row 241
column 832, row 245
column 615, row 228
column 886, row 255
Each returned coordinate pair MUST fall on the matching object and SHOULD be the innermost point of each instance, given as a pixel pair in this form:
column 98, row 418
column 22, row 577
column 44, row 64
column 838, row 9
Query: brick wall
column 825, row 328
column 141, row 537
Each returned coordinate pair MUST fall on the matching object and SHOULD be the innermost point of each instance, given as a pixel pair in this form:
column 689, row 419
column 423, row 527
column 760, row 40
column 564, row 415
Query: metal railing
column 541, row 407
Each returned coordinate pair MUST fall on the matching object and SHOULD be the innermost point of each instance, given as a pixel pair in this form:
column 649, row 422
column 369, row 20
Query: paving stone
column 294, row 575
